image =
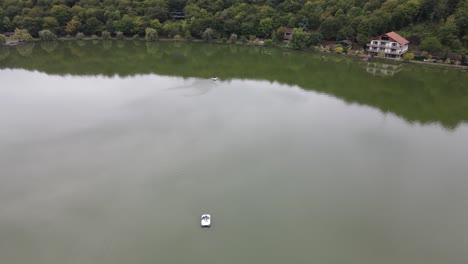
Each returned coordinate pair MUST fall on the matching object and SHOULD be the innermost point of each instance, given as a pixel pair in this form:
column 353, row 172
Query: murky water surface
column 110, row 152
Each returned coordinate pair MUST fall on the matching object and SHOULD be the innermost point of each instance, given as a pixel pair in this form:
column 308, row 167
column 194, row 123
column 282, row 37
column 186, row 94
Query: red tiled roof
column 397, row 38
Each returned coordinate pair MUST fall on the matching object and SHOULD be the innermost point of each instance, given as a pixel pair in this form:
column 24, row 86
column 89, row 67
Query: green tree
column 151, row 34
column 155, row 9
column 265, row 26
column 140, row 24
column 347, row 32
column 61, row 13
column 330, row 27
column 448, row 34
column 171, row 29
column 93, row 25
column 431, row 44
column 47, row 35
column 314, row 39
column 125, row 24
column 33, row 25
column 6, row 24
column 50, row 23
column 298, row 39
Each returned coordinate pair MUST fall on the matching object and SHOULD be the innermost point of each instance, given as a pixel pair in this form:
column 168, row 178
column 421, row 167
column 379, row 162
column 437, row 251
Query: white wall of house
column 390, row 48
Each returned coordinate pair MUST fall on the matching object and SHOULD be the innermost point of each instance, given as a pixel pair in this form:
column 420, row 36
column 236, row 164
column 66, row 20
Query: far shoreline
column 362, row 58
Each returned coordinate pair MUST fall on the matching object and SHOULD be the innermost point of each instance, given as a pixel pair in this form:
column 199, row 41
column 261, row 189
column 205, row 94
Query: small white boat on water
column 205, row 220
column 214, row 78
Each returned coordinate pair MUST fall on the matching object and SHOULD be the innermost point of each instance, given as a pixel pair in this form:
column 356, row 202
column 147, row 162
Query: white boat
column 214, row 78
column 206, row 220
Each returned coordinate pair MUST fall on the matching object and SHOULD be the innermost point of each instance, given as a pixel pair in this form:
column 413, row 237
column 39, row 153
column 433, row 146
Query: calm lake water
column 111, row 151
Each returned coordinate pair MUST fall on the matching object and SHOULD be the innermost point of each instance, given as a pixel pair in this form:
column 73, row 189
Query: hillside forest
column 434, row 25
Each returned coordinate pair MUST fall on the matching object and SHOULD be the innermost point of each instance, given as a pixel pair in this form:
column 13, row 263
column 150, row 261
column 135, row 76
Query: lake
column 111, row 151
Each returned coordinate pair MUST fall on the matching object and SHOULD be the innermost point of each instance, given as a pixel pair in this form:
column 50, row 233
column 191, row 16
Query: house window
column 375, row 42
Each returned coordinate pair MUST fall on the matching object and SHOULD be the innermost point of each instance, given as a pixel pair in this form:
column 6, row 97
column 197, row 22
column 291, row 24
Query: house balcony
column 397, row 52
column 379, row 45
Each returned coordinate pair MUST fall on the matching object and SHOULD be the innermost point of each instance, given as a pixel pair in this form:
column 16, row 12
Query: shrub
column 136, row 36
column 106, row 35
column 94, row 37
column 314, row 39
column 151, row 34
column 381, row 54
column 177, row 38
column 298, row 39
column 22, row 35
column 3, row 39
column 339, row 50
column 119, row 35
column 233, row 38
column 47, row 35
column 268, row 43
column 208, row 35
column 408, row 56
column 252, row 37
column 80, row 36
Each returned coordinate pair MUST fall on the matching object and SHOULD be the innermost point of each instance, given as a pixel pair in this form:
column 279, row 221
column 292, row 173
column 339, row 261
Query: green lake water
column 111, row 151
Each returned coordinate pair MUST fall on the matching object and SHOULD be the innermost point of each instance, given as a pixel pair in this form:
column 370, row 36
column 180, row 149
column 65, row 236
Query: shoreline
column 251, row 43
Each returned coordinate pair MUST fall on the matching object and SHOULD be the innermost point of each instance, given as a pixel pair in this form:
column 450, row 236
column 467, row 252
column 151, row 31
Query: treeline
column 435, row 24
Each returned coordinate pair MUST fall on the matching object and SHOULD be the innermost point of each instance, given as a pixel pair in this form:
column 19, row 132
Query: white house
column 392, row 44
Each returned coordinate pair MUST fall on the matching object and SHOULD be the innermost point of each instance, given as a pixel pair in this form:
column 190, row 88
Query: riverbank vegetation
column 434, row 25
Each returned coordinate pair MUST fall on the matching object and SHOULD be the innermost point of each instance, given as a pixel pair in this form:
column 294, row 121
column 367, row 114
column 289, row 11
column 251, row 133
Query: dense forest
column 436, row 25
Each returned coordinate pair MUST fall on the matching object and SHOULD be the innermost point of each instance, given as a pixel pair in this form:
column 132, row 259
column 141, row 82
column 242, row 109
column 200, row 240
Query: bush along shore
column 298, row 40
